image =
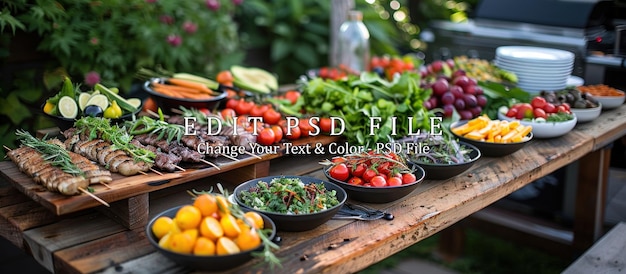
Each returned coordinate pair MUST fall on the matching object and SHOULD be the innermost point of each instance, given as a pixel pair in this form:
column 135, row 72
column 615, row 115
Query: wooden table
column 88, row 241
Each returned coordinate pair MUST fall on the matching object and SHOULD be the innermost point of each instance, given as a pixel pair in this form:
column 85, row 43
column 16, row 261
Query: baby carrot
column 190, row 84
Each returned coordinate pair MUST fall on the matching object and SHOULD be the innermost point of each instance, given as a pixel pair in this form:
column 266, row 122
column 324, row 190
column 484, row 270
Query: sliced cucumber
column 123, row 103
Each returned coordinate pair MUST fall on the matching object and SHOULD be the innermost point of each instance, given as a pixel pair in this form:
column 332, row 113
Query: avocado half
column 254, row 79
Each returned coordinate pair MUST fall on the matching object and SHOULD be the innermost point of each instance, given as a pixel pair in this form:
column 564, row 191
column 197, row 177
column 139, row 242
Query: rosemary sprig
column 157, row 127
column 54, row 154
column 119, row 137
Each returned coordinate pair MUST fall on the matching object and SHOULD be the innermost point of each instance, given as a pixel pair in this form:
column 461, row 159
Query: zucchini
column 123, row 103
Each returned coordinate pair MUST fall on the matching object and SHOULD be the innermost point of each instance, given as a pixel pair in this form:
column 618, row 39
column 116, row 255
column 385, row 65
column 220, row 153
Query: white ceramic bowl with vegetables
column 543, row 128
column 294, row 203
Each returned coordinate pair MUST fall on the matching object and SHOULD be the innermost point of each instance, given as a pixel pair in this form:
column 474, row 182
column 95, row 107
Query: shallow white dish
column 545, row 129
column 575, row 81
column 610, row 102
column 543, row 65
column 537, row 54
column 587, row 114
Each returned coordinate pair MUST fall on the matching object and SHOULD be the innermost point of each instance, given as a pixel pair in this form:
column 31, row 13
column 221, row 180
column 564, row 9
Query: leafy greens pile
column 289, row 196
column 357, row 98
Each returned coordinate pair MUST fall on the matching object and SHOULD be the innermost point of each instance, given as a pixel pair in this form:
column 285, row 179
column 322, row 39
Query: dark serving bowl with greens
column 294, row 203
column 446, row 157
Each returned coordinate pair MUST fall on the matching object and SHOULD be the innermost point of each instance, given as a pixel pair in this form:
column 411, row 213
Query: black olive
column 570, row 98
column 93, row 111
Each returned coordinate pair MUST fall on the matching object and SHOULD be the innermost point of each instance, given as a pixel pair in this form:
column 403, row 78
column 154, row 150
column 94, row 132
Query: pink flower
column 174, row 40
column 190, row 27
column 94, row 41
column 212, row 4
column 92, row 78
column 166, row 19
column 237, row 2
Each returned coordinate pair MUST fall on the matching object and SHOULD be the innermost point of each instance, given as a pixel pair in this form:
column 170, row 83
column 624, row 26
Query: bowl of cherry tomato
column 373, row 177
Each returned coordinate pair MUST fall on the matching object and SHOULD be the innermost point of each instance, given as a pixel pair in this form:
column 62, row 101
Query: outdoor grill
column 583, row 27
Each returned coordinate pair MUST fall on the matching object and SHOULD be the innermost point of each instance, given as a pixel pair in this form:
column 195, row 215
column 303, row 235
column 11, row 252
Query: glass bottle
column 354, row 48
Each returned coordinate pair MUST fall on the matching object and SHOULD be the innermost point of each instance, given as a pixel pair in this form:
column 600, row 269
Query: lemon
column 98, row 100
column 68, row 107
column 135, row 102
column 83, row 98
column 49, row 108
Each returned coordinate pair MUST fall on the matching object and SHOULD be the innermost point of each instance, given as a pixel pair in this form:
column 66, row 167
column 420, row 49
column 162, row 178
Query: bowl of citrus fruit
column 211, row 234
column 70, row 103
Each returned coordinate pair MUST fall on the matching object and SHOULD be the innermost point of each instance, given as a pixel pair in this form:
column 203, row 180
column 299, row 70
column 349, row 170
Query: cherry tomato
column 562, row 109
column 359, row 169
column 150, row 104
column 408, row 178
column 232, row 103
column 325, row 124
column 340, row 172
column 258, row 110
column 538, row 102
column 549, row 108
column 378, row 181
column 278, row 133
column 271, row 116
column 305, row 127
column 540, row 113
column 394, row 181
column 566, row 106
column 338, row 159
column 369, row 174
column 244, row 107
column 355, row 181
column 512, row 113
column 295, row 133
column 266, row 137
column 524, row 111
column 292, row 96
column 383, row 168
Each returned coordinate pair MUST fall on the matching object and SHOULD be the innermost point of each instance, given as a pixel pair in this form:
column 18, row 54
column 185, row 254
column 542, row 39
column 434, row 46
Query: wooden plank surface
column 605, row 256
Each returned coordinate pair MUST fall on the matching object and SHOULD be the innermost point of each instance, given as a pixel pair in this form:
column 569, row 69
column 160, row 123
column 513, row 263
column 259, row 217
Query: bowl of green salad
column 294, row 203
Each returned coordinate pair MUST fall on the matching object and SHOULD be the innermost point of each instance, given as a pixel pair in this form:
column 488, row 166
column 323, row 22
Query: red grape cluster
column 457, row 92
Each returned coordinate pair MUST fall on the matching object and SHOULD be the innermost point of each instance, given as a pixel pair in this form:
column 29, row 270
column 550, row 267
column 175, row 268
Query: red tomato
column 355, row 181
column 384, row 168
column 259, row 110
column 525, row 110
column 359, row 169
column 369, row 174
column 266, row 137
column 232, row 103
column 540, row 113
column 271, row 116
column 295, row 133
column 150, row 104
column 325, row 124
column 538, row 102
column 338, row 159
column 549, row 108
column 278, row 133
column 224, row 77
column 512, row 113
column 561, row 108
column 244, row 107
column 394, row 181
column 408, row 178
column 378, row 181
column 340, row 172
column 566, row 106
column 305, row 127
column 292, row 96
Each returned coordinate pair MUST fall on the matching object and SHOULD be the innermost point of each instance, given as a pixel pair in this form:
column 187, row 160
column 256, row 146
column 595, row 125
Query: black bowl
column 167, row 103
column 210, row 263
column 295, row 222
column 65, row 123
column 442, row 172
column 490, row 149
column 379, row 195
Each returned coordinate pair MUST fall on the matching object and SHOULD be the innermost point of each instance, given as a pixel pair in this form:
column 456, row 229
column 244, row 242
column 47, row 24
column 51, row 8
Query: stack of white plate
column 536, row 68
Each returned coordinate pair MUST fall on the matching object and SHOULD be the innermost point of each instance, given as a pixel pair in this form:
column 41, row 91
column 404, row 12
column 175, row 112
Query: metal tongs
column 361, row 212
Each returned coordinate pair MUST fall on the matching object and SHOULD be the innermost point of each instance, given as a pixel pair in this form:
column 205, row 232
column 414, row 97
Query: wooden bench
column 608, row 255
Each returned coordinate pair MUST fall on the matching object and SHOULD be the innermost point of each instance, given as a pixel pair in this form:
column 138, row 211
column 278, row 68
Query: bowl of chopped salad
column 446, row 156
column 294, row 203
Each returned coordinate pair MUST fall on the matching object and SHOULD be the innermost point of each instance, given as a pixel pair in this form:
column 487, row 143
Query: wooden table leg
column 132, row 213
column 590, row 198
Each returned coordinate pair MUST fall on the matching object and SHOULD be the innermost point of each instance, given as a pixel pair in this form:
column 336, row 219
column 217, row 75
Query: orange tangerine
column 211, row 228
column 188, row 217
column 206, row 203
column 230, row 226
column 226, row 246
column 204, row 246
column 162, row 226
column 183, row 242
column 255, row 218
column 248, row 239
column 223, row 205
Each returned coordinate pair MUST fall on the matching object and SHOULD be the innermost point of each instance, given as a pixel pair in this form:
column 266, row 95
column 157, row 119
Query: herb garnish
column 443, row 149
column 54, row 154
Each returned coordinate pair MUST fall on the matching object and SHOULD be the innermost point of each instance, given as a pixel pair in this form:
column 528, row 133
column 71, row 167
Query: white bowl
column 534, row 54
column 545, row 129
column 587, row 114
column 609, row 102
